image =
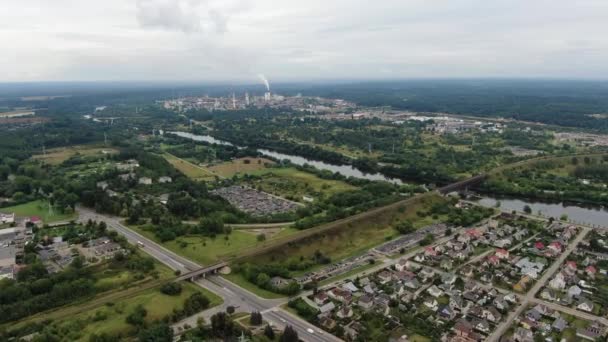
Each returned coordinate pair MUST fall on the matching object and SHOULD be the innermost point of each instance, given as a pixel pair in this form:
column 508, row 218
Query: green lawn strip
column 38, row 208
column 238, row 279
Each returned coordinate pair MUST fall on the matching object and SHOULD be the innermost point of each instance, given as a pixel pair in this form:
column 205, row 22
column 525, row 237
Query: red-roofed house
column 474, row 233
column 555, row 247
column 35, row 220
column 591, row 271
column 571, row 265
column 493, row 260
column 430, row 251
column 502, row 253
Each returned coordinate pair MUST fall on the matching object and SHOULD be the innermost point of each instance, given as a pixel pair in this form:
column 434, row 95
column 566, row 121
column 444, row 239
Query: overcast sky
column 234, row 40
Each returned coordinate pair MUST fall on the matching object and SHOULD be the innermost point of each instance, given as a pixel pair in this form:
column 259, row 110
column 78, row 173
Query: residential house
column 321, row 298
column 145, row 180
column 592, row 333
column 345, row 312
column 558, row 282
column 585, row 305
column 366, row 302
column 330, row 306
column 502, row 253
column 434, row 291
column 574, row 291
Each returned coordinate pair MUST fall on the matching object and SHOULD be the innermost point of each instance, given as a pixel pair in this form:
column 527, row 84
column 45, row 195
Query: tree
column 527, row 209
column 138, row 316
column 230, row 310
column 171, row 289
column 256, row 318
column 269, row 332
column 289, row 335
column 159, row 332
column 405, row 227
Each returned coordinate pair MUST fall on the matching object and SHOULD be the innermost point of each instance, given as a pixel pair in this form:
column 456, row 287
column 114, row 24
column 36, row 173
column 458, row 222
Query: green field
column 38, row 208
column 353, row 238
column 242, row 282
column 293, row 184
column 110, row 319
column 205, row 250
column 57, row 156
column 240, row 166
column 189, row 169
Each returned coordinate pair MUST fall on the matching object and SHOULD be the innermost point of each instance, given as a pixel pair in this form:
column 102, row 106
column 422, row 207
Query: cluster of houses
column 469, row 242
column 540, row 322
column 441, row 298
column 575, row 283
column 520, row 267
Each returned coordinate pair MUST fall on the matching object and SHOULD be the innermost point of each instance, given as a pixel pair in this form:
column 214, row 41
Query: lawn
column 57, row 156
column 189, row 169
column 238, row 279
column 111, row 318
column 205, row 250
column 38, row 208
column 240, row 166
column 294, row 184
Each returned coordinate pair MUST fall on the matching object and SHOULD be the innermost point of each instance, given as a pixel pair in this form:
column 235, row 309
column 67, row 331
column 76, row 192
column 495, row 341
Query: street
column 233, row 295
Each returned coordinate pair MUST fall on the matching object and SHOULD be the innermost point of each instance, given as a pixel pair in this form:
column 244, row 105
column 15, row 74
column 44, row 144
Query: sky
column 288, row 40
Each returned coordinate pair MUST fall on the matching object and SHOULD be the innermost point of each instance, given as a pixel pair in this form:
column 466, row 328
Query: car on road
column 310, row 331
column 140, row 244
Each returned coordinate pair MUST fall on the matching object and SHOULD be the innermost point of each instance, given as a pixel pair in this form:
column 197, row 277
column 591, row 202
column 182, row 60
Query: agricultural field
column 189, row 169
column 38, row 208
column 240, row 166
column 57, row 156
column 294, row 184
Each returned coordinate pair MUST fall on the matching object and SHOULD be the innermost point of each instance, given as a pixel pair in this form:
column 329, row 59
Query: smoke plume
column 265, row 81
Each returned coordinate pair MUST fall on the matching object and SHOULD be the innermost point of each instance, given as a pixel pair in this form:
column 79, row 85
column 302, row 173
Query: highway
column 233, row 295
column 172, row 260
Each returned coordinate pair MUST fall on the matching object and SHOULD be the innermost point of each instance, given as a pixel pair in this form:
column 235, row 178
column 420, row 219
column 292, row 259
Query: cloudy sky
column 234, row 40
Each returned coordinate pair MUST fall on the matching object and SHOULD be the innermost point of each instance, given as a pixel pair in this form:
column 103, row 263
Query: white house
column 7, row 218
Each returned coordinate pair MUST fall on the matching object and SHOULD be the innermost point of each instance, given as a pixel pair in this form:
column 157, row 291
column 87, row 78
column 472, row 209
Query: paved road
column 529, row 297
column 232, row 294
column 172, row 260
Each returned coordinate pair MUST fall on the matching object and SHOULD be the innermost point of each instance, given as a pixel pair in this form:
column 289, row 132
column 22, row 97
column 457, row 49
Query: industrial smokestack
column 265, row 81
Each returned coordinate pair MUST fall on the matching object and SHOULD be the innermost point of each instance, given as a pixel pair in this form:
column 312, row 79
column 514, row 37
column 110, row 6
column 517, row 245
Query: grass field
column 110, row 319
column 189, row 169
column 293, row 184
column 354, row 237
column 205, row 250
column 240, row 166
column 57, row 156
column 38, row 208
column 238, row 279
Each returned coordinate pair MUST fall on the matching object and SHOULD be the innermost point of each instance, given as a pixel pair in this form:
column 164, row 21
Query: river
column 345, row 170
column 589, row 215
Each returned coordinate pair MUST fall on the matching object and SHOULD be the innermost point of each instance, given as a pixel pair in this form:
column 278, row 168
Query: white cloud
column 292, row 39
